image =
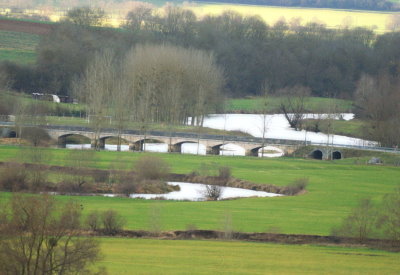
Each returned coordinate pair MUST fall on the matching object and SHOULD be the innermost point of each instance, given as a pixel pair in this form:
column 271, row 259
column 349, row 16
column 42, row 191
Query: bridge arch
column 144, row 144
column 317, row 154
column 226, row 149
column 188, row 147
column 269, row 151
column 112, row 146
column 337, row 155
column 12, row 134
column 73, row 138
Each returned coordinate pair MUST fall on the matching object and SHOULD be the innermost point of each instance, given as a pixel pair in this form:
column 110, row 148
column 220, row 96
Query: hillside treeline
column 252, row 54
column 375, row 5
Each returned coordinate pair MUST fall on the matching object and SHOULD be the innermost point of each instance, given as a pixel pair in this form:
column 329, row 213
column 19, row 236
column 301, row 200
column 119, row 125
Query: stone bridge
column 174, row 140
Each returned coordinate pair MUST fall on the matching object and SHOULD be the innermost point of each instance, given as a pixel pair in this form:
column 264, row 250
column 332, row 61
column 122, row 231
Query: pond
column 196, row 192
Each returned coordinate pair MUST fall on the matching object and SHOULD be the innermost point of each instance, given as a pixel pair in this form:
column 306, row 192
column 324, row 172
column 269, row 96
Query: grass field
column 351, row 128
column 18, row 47
column 140, row 256
column 332, row 18
column 334, row 187
column 313, row 105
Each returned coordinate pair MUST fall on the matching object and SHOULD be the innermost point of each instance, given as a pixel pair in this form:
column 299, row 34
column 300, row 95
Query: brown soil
column 24, row 26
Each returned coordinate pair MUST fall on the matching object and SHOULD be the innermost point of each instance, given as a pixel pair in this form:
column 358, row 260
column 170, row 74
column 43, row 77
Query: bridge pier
column 101, row 143
column 251, row 153
column 137, row 146
column 174, row 148
column 210, row 150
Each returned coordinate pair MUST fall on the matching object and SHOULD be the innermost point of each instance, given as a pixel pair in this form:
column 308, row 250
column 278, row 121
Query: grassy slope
column 351, row 128
column 313, row 104
column 18, row 47
column 125, row 256
column 334, row 188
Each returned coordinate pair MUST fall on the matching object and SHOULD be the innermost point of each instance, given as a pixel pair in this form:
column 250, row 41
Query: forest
column 251, row 54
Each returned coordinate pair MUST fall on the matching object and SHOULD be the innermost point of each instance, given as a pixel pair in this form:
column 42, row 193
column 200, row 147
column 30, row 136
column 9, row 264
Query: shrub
column 213, row 192
column 125, row 188
column 389, row 216
column 360, row 223
column 13, row 178
column 112, row 222
column 152, row 168
column 36, row 136
column 93, row 221
column 296, row 187
column 224, row 173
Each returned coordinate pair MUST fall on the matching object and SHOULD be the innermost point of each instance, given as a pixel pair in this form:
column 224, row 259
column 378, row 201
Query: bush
column 93, row 221
column 76, row 184
column 125, row 188
column 112, row 222
column 389, row 215
column 224, row 173
column 213, row 192
column 360, row 223
column 296, row 187
column 13, row 178
column 36, row 136
column 151, row 168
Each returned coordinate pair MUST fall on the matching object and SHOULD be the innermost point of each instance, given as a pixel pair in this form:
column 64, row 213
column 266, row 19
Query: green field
column 351, row 128
column 140, row 256
column 18, row 47
column 334, row 188
column 312, row 105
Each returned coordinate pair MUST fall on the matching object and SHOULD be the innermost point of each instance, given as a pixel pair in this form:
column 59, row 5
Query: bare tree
column 264, row 116
column 112, row 222
column 96, row 90
column 139, row 17
column 293, row 104
column 360, row 223
column 37, row 176
column 173, row 83
column 213, row 192
column 151, row 168
column 80, row 160
column 377, row 100
column 121, row 108
column 86, row 16
column 38, row 236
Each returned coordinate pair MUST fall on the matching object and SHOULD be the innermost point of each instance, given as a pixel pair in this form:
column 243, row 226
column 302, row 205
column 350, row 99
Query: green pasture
column 312, row 105
column 18, row 47
column 351, row 128
column 141, row 256
column 334, row 188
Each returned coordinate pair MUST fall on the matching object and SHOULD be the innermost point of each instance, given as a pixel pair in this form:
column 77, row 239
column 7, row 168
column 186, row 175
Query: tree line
column 250, row 52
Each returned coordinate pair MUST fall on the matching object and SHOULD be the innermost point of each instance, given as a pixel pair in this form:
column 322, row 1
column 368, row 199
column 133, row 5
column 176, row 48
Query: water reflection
column 193, row 148
column 230, row 149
